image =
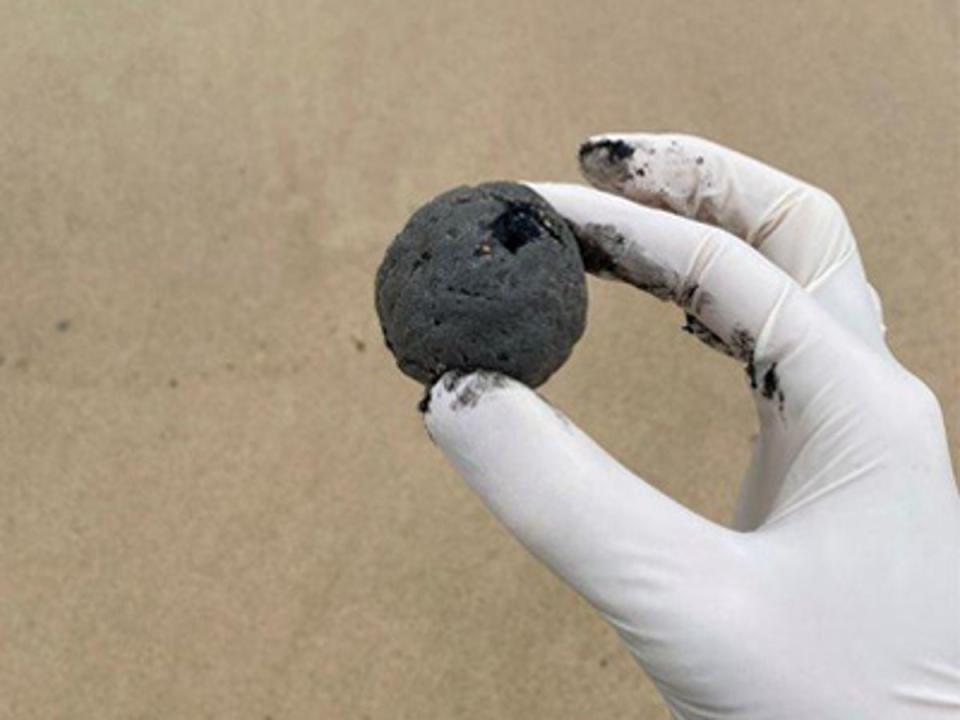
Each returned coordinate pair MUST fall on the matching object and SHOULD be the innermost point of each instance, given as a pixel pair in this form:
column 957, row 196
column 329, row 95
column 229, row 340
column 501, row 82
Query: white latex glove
column 837, row 595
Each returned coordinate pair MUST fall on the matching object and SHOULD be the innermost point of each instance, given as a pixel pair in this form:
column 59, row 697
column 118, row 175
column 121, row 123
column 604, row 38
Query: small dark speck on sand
column 174, row 383
column 358, row 344
column 63, row 326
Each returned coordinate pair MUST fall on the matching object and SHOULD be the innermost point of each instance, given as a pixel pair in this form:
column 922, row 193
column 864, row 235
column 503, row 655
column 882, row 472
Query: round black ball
column 487, row 277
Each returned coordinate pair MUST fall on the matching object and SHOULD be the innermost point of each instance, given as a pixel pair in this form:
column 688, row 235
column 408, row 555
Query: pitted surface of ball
column 487, row 277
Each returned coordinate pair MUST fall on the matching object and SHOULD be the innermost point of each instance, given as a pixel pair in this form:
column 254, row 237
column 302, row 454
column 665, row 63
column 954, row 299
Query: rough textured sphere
column 487, row 277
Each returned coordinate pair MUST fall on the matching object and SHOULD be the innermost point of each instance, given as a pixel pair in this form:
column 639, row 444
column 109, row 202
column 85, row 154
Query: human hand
column 836, row 593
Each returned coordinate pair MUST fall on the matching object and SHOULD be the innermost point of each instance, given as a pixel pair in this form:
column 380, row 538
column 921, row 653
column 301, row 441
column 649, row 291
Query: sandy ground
column 216, row 497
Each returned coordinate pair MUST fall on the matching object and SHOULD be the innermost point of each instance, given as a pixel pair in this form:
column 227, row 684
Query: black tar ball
column 487, row 277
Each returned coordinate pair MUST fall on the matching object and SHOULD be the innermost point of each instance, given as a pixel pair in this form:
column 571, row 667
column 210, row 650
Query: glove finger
column 749, row 305
column 830, row 408
column 796, row 226
column 592, row 521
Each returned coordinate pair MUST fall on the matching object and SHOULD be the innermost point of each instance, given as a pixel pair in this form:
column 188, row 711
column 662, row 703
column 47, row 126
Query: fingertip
column 484, row 419
column 457, row 393
column 613, row 144
column 605, row 160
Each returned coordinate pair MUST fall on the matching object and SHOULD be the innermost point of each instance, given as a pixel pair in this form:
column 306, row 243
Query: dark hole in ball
column 516, row 227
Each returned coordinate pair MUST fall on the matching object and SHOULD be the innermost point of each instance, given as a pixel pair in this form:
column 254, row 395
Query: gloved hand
column 836, row 594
